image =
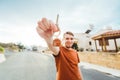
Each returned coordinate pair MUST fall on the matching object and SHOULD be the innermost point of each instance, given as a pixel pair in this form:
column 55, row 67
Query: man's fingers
column 46, row 23
column 41, row 26
column 40, row 31
column 54, row 27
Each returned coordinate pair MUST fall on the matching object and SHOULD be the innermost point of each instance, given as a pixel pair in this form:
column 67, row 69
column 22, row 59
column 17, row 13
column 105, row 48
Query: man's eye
column 67, row 38
column 71, row 38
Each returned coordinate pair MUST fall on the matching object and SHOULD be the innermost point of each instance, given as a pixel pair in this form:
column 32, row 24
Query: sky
column 18, row 18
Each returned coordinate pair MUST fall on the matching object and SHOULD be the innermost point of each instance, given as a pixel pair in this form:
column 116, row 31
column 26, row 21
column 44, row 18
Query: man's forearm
column 54, row 49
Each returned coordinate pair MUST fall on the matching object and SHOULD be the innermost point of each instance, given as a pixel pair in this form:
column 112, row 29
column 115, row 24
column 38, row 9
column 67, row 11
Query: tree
column 20, row 46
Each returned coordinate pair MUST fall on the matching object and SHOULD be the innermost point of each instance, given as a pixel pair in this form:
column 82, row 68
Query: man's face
column 69, row 40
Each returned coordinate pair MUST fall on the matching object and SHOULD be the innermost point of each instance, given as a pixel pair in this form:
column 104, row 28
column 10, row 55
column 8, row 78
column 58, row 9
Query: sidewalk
column 2, row 58
column 101, row 68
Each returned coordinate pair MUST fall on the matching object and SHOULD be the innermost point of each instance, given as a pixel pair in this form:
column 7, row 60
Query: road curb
column 111, row 71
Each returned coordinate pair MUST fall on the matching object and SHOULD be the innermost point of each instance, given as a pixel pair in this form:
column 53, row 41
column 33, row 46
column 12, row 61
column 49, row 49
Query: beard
column 68, row 46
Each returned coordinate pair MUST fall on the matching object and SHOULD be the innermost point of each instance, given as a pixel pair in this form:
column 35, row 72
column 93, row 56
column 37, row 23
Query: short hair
column 68, row 32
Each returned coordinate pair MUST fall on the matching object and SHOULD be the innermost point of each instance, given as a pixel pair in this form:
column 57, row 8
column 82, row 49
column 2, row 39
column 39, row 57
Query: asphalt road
column 92, row 74
column 38, row 66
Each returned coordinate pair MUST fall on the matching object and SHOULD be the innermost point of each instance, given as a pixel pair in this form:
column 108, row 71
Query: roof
column 108, row 35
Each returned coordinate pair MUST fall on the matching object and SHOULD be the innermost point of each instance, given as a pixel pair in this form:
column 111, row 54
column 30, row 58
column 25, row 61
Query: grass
column 111, row 60
column 1, row 49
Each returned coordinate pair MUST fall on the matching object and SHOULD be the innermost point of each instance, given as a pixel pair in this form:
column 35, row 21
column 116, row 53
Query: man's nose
column 69, row 40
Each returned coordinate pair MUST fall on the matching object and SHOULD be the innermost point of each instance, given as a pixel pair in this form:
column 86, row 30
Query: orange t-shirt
column 67, row 65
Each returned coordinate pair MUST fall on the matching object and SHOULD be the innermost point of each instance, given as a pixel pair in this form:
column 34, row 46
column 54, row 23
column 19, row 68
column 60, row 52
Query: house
column 104, row 40
column 84, row 41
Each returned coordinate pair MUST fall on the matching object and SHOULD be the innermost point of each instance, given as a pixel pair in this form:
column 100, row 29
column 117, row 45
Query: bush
column 75, row 46
column 1, row 49
column 119, row 48
column 81, row 49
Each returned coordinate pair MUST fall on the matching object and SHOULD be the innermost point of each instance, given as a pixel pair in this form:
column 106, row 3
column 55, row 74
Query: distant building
column 84, row 41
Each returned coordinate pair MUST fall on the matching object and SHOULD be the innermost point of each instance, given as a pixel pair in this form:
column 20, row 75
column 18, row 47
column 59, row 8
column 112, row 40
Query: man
column 66, row 58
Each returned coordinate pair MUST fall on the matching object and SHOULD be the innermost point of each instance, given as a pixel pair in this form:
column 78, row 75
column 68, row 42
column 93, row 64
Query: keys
column 57, row 41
